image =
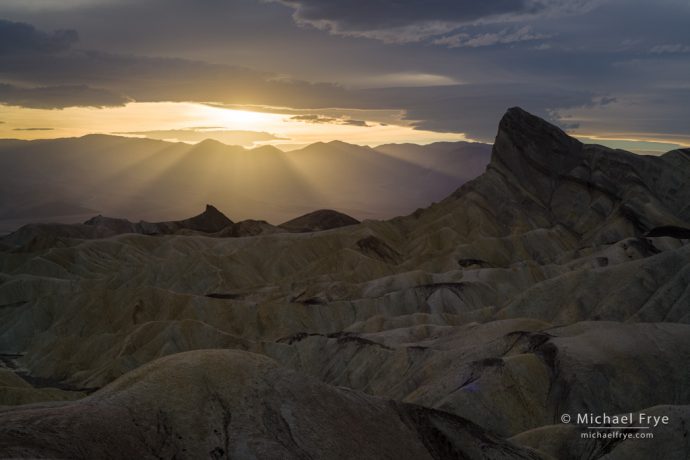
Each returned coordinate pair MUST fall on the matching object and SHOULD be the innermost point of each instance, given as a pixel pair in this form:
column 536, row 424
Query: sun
column 233, row 118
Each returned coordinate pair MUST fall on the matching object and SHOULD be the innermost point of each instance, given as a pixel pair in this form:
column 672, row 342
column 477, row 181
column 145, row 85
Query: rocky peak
column 212, row 210
column 209, row 221
column 529, row 146
column 602, row 194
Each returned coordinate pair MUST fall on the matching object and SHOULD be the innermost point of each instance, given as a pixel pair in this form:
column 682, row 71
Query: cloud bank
column 440, row 65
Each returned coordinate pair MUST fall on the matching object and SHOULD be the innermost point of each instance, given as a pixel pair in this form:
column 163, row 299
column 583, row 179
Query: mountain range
column 555, row 283
column 70, row 180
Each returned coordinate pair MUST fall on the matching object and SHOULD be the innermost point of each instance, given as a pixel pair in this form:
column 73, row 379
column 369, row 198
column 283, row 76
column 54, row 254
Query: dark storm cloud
column 321, row 119
column 19, row 38
column 58, row 97
column 475, row 109
column 67, row 78
column 556, row 58
column 505, row 36
column 362, row 15
column 409, row 20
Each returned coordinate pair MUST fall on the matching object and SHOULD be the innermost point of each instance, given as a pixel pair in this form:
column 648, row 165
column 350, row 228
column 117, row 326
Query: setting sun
column 231, row 118
column 192, row 122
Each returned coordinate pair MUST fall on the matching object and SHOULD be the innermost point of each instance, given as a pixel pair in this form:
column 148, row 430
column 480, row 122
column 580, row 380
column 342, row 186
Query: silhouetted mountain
column 157, row 180
column 211, row 222
column 324, row 219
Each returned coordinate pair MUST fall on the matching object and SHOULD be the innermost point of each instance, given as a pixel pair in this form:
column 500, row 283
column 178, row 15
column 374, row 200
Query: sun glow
column 232, row 118
column 285, row 129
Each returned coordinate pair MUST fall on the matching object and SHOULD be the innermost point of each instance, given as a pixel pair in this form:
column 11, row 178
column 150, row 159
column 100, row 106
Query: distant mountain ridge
column 62, row 180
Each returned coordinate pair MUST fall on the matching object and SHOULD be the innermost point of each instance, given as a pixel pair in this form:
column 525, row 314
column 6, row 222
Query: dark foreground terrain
column 557, row 282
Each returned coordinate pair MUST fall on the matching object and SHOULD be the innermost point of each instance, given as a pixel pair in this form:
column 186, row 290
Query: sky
column 291, row 72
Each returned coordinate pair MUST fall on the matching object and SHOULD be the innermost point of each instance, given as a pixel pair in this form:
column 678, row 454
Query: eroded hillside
column 536, row 289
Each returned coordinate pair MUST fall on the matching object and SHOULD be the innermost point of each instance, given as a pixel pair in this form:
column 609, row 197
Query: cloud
column 670, row 48
column 58, row 97
column 402, row 21
column 474, row 109
column 20, row 38
column 661, row 115
column 74, row 77
column 33, row 129
column 360, row 123
column 607, row 51
column 312, row 118
column 505, row 36
column 53, row 5
column 198, row 134
column 401, row 79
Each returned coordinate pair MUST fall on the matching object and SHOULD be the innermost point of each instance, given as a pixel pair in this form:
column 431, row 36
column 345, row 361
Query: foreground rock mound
column 228, row 404
column 211, row 222
column 33, row 237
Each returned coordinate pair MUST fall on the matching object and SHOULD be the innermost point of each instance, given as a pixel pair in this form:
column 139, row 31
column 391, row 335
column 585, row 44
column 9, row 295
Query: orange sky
column 381, row 126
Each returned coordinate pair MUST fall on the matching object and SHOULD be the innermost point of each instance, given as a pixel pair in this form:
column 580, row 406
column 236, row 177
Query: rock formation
column 211, row 222
column 231, row 404
column 556, row 282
